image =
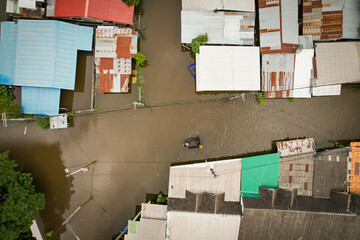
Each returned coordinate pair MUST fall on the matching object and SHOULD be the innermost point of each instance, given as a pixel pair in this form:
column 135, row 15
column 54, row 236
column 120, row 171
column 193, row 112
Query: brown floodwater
column 133, row 149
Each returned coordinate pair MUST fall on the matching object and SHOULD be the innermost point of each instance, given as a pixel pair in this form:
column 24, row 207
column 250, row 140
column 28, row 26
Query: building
column 26, row 8
column 204, row 200
column 337, row 63
column 114, row 49
column 40, row 56
column 354, row 177
column 221, row 27
column 235, row 5
column 331, row 19
column 228, row 68
column 96, row 11
column 152, row 224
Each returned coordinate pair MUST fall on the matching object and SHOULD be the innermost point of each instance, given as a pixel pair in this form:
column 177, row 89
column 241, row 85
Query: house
column 354, row 170
column 96, row 11
column 114, row 49
column 235, row 5
column 26, row 8
column 204, row 200
column 40, row 56
column 331, row 19
column 221, row 27
column 228, row 68
column 337, row 63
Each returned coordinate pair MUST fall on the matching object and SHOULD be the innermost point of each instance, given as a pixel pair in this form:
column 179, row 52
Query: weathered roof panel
column 303, row 74
column 295, row 147
column 337, row 62
column 222, row 28
column 326, row 90
column 355, row 168
column 351, row 19
column 239, row 5
column 289, row 21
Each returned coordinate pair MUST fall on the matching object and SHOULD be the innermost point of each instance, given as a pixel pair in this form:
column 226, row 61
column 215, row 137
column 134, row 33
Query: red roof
column 108, row 10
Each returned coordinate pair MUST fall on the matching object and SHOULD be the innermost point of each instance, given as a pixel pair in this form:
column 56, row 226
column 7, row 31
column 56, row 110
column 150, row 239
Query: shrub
column 43, row 123
column 198, row 41
column 129, row 3
column 143, row 26
column 261, row 98
column 7, row 105
column 290, row 99
column 140, row 59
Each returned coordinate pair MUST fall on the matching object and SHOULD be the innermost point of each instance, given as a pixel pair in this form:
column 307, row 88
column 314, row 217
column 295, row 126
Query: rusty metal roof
column 277, row 74
column 114, row 48
column 323, row 19
column 355, row 165
column 278, row 26
column 295, row 147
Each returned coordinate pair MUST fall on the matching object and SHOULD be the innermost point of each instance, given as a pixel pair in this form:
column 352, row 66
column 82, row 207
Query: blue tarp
column 41, row 53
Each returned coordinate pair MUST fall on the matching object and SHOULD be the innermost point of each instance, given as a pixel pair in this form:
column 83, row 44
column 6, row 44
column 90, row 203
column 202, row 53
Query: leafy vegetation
column 140, row 84
column 7, row 104
column 143, row 26
column 198, row 41
column 162, row 198
column 19, row 203
column 261, row 98
column 290, row 99
column 96, row 107
column 140, row 59
column 129, row 3
column 43, row 123
column 338, row 145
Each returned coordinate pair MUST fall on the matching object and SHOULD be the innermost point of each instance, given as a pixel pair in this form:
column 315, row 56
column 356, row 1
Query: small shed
column 296, row 147
column 59, row 121
column 228, row 68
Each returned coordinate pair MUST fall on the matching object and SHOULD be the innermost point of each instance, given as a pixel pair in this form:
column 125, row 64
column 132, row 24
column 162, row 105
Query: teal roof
column 259, row 171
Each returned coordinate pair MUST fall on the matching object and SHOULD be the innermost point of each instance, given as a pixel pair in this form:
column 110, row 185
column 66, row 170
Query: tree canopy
column 129, row 3
column 19, row 202
column 7, row 105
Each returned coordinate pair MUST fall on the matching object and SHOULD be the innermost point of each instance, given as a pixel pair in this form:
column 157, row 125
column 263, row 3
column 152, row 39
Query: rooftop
column 238, row 5
column 228, row 68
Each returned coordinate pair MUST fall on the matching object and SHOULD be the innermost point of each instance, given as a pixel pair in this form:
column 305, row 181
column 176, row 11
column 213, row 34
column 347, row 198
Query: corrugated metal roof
column 114, row 48
column 295, row 147
column 45, row 52
column 278, row 26
column 330, row 90
column 221, row 27
column 227, row 68
column 277, row 74
column 337, row 62
column 40, row 100
column 303, row 74
column 201, row 226
column 351, row 19
column 323, row 19
column 108, row 10
column 239, row 5
column 198, row 178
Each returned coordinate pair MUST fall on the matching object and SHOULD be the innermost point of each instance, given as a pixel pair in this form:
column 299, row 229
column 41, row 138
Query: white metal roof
column 239, row 5
column 289, row 21
column 202, row 226
column 303, row 74
column 13, row 6
column 199, row 178
column 59, row 121
column 221, row 28
column 351, row 19
column 270, row 20
column 153, row 211
column 330, row 90
column 228, row 68
column 337, row 62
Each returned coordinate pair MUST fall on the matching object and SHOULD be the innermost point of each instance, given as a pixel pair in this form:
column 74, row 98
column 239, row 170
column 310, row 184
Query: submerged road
column 133, row 149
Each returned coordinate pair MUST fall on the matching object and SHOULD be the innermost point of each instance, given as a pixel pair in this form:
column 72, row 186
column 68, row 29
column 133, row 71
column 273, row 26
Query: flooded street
column 133, row 149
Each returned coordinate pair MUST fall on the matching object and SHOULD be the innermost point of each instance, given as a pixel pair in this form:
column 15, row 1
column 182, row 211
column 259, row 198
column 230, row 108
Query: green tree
column 129, row 3
column 19, row 203
column 140, row 59
column 198, row 41
column 260, row 97
column 7, row 105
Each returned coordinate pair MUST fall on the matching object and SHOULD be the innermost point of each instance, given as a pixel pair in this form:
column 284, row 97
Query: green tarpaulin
column 259, row 171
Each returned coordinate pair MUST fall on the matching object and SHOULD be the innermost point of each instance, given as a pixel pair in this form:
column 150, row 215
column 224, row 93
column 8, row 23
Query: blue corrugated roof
column 40, row 100
column 41, row 53
column 45, row 53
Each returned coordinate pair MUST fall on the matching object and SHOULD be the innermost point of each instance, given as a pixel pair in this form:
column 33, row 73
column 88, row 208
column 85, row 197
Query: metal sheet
column 202, row 226
column 277, row 74
column 221, row 28
column 59, row 121
column 295, row 147
column 40, row 100
column 289, row 21
column 337, row 62
column 355, row 160
column 239, row 5
column 331, row 90
column 198, row 178
column 107, row 10
column 351, row 19
column 303, row 74
column 228, row 68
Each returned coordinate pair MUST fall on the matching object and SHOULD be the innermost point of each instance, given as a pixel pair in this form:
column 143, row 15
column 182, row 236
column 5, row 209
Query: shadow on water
column 47, row 169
